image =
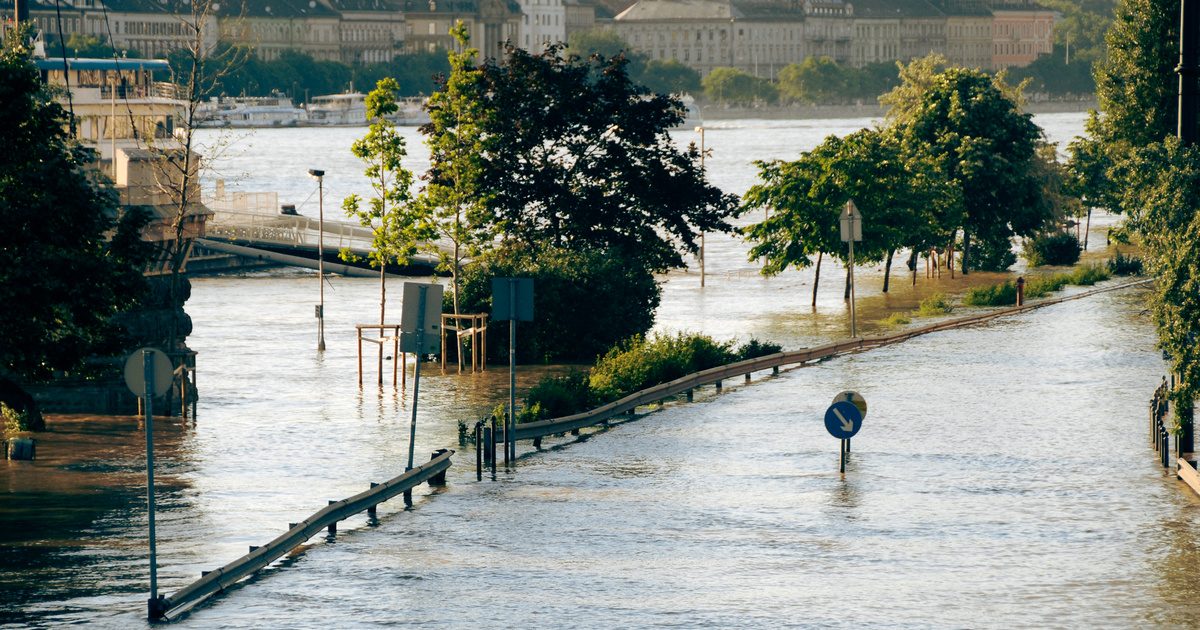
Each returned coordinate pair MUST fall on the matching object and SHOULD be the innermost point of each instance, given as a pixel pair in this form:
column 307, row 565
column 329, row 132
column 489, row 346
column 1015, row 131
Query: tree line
column 956, row 167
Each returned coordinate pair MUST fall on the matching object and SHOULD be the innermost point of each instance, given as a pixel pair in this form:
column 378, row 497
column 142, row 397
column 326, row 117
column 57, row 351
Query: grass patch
column 936, row 304
column 896, row 319
column 1003, row 294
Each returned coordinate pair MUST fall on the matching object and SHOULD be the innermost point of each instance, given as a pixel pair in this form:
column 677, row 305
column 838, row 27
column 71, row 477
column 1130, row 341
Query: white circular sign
column 135, row 372
column 853, row 398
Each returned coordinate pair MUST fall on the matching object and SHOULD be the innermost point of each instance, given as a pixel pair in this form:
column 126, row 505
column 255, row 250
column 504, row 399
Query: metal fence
column 210, row 582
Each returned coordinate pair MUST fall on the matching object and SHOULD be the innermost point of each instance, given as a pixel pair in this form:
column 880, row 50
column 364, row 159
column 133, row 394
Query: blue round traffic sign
column 843, row 420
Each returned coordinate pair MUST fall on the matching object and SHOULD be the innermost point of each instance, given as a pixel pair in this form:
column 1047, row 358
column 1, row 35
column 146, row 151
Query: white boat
column 347, row 109
column 252, row 111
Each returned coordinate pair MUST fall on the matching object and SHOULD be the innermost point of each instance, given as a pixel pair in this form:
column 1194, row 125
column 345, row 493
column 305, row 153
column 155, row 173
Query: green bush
column 1088, row 275
column 557, row 396
column 936, row 304
column 754, row 348
column 896, row 319
column 585, row 302
column 989, row 255
column 14, row 421
column 1004, row 294
column 1055, row 248
column 1041, row 286
column 639, row 363
column 1122, row 265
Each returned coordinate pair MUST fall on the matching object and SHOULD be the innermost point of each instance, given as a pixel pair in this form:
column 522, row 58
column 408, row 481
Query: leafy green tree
column 578, row 156
column 399, row 227
column 737, row 87
column 670, row 77
column 984, row 148
column 92, row 46
column 62, row 279
column 816, row 80
column 900, row 203
column 452, row 198
column 1136, row 88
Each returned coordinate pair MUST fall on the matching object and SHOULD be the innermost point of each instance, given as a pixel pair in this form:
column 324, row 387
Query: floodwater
column 1002, row 476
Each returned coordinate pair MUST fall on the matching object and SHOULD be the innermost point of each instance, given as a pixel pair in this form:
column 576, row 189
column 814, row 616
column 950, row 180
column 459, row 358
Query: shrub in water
column 1004, row 294
column 754, row 348
column 1055, row 248
column 1122, row 265
column 936, row 304
column 557, row 396
column 640, row 363
column 1088, row 275
column 1040, row 286
column 988, row 255
column 896, row 319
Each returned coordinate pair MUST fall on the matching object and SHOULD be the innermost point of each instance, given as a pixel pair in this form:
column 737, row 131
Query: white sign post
column 851, row 232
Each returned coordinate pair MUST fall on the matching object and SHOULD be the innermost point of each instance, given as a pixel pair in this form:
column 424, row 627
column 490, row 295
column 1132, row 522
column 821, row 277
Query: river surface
column 1002, row 478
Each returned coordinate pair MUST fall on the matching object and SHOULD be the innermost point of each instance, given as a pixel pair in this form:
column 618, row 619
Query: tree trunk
column 887, row 270
column 912, row 266
column 817, row 278
column 457, row 322
column 950, row 253
column 846, row 293
column 382, row 304
column 966, row 252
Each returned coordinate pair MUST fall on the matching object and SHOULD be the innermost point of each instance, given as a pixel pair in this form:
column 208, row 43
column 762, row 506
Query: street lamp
column 320, row 177
column 700, row 130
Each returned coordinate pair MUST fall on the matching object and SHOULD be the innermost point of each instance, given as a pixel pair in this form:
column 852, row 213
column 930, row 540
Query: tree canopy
column 62, row 279
column 576, row 155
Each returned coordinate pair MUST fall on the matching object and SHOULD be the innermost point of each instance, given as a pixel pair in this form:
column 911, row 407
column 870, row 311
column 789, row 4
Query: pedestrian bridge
column 247, row 230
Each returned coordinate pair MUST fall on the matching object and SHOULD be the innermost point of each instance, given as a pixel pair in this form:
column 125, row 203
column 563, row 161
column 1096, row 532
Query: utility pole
column 320, row 177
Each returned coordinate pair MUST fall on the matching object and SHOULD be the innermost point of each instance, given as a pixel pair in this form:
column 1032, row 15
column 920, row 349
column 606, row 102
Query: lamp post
column 319, row 175
column 700, row 130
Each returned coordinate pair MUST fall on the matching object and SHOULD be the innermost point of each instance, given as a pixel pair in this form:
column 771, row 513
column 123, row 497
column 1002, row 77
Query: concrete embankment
column 865, row 110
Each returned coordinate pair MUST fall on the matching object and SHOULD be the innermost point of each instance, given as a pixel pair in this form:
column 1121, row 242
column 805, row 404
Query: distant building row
column 758, row 36
column 351, row 31
column 763, row 36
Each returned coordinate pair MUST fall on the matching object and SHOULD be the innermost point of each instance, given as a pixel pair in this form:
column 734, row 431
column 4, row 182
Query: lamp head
column 315, row 174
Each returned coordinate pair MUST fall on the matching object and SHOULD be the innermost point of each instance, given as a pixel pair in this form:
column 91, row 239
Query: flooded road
column 1002, row 477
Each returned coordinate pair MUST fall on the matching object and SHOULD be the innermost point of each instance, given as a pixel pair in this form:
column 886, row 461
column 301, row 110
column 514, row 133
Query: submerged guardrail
column 554, row 426
column 210, row 582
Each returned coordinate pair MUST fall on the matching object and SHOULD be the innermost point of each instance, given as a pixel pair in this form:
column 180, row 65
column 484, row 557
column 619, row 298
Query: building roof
column 387, row 6
column 56, row 63
column 882, row 9
column 696, row 10
column 453, row 7
column 273, row 8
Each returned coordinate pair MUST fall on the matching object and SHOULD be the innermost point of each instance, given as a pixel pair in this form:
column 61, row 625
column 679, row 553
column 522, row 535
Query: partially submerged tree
column 576, row 165
column 452, row 199
column 983, row 146
column 398, row 227
column 901, row 204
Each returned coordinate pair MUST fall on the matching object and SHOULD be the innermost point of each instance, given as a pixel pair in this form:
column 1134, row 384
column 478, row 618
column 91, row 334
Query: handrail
column 552, row 426
column 214, row 581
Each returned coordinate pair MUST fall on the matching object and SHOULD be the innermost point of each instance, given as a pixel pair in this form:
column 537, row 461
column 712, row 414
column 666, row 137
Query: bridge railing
column 434, row 472
column 554, row 426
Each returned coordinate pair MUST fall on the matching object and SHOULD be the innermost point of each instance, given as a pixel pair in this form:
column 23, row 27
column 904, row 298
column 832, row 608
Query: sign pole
column 509, row 443
column 148, row 371
column 853, row 315
column 412, row 427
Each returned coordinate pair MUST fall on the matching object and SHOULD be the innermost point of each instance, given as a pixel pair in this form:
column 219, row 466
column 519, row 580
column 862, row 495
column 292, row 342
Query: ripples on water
column 1002, row 478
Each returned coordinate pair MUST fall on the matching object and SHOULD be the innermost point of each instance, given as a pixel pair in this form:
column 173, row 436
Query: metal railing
column 554, row 426
column 210, row 582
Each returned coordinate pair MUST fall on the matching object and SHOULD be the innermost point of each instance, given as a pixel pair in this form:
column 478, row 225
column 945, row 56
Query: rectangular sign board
column 851, row 223
column 504, row 307
column 409, row 310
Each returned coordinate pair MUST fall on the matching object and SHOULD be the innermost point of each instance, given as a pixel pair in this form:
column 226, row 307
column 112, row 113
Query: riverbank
column 864, row 110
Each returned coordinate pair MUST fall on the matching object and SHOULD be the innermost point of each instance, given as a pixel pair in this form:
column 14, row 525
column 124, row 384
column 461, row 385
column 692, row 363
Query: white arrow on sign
column 847, row 425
